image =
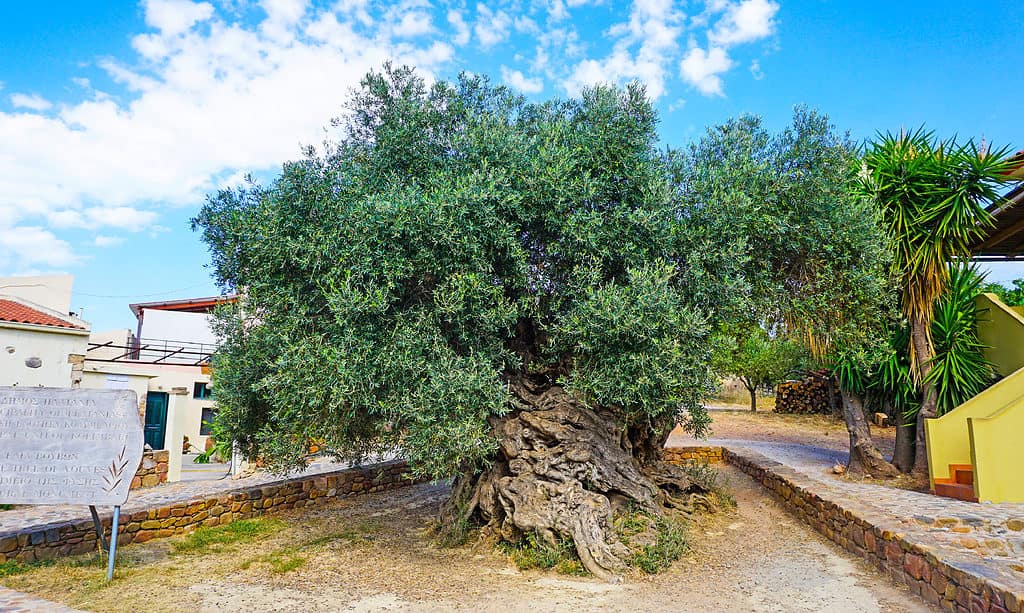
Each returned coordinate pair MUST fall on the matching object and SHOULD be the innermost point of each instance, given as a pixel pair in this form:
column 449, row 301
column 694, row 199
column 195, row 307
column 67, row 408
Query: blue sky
column 117, row 117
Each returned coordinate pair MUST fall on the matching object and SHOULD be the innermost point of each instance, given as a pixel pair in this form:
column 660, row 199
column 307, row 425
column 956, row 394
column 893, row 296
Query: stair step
column 963, row 476
column 949, row 489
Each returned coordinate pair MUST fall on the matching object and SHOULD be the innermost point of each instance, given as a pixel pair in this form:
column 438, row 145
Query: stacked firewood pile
column 808, row 395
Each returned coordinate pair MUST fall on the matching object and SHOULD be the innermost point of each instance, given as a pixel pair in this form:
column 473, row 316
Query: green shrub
column 535, row 552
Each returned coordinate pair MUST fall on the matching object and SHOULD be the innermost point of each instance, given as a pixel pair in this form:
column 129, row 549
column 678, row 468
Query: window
column 202, row 391
column 208, row 414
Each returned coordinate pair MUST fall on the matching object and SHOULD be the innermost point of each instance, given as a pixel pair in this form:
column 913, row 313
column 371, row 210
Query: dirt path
column 371, row 555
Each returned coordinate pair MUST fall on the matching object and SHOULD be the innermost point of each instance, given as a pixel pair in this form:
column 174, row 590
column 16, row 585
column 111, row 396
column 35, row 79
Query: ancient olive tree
column 504, row 293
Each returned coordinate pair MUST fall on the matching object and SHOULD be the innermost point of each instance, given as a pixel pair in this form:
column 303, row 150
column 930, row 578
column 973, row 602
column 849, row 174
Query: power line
column 172, row 291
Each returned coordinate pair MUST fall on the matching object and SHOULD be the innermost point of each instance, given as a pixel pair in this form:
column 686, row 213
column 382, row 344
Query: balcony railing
column 152, row 351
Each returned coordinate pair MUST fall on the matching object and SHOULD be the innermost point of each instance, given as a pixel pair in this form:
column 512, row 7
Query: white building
column 41, row 344
column 167, row 362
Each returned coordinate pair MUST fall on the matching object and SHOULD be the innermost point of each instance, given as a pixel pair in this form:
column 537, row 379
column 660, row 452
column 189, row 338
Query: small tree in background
column 816, row 257
column 1010, row 296
column 756, row 359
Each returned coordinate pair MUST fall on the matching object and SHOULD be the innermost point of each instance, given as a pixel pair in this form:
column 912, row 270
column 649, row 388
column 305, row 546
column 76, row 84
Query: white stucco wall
column 50, row 291
column 175, row 326
column 184, row 413
column 49, row 346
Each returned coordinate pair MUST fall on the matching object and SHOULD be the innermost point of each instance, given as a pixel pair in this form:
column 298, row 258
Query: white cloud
column 415, row 23
column 492, row 27
column 173, row 17
column 32, row 102
column 208, row 95
column 702, row 69
column 108, row 241
column 31, row 247
column 516, row 80
column 755, row 70
column 457, row 22
column 744, row 22
column 644, row 48
column 208, row 98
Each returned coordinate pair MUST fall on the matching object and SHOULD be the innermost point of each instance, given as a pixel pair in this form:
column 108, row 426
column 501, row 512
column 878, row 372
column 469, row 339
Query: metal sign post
column 113, row 542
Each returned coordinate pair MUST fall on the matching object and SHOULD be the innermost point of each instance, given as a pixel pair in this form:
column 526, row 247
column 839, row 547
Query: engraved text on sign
column 68, row 446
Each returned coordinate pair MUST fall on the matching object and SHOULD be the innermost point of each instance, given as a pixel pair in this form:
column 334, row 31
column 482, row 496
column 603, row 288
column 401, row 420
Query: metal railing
column 152, row 351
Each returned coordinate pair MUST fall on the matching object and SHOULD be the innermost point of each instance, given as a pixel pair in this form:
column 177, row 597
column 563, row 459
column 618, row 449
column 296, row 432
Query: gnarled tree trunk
column 865, row 458
column 903, row 454
column 924, row 353
column 563, row 470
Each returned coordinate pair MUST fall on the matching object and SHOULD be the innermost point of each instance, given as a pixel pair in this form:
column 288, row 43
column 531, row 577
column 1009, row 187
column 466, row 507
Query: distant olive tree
column 757, row 359
column 815, row 255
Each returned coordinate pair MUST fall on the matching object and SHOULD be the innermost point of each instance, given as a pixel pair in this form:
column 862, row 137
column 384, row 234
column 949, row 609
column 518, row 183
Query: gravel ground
column 372, row 554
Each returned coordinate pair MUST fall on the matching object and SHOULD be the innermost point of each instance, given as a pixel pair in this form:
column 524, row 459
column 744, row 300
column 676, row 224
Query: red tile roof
column 21, row 314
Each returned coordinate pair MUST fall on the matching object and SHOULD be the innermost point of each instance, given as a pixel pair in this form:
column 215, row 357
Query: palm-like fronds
column 931, row 197
column 959, row 370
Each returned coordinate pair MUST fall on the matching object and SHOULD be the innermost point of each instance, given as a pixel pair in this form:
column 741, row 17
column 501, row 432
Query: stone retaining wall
column 76, row 537
column 153, row 469
column 944, row 577
column 678, row 455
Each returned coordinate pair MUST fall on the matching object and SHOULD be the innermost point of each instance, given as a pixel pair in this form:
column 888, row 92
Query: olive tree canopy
column 510, row 294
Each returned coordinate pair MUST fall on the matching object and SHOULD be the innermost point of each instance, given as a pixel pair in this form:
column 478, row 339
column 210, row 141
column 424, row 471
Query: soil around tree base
column 373, row 554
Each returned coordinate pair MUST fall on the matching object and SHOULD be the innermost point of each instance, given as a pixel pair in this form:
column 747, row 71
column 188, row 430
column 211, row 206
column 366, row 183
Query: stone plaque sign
column 68, row 446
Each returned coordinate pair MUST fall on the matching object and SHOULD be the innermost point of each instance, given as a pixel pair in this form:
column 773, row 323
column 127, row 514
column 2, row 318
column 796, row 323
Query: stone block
column 8, row 544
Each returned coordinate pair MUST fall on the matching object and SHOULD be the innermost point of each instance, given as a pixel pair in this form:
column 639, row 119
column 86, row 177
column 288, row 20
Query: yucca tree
column 931, row 196
column 959, row 370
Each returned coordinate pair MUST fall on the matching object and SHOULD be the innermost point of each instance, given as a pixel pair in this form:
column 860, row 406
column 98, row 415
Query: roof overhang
column 185, row 305
column 1005, row 240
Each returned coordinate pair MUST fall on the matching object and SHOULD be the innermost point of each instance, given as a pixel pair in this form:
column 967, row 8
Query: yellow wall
column 949, row 440
column 1001, row 329
column 985, row 431
column 998, row 454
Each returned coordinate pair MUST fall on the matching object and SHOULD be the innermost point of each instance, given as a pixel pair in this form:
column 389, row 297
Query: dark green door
column 156, row 419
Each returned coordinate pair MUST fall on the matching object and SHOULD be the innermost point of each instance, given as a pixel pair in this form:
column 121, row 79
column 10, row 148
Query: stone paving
column 993, row 532
column 16, row 602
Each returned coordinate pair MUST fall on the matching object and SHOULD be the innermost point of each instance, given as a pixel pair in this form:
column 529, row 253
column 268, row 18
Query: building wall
column 48, row 346
column 176, row 326
column 50, row 291
column 184, row 413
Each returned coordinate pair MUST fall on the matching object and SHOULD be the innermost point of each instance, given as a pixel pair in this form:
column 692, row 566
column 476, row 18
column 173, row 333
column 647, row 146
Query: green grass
column 655, row 542
column 280, row 562
column 702, row 474
column 670, row 546
column 219, row 538
column 13, row 567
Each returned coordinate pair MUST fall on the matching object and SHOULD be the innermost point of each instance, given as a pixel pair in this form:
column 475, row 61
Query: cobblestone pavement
column 16, row 602
column 994, row 532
